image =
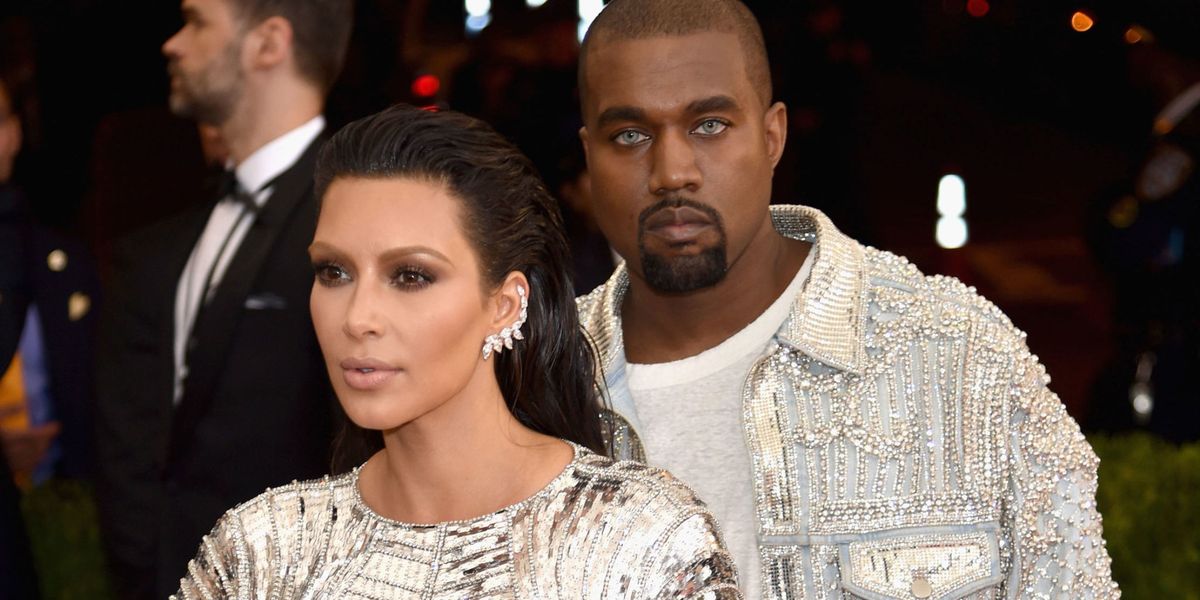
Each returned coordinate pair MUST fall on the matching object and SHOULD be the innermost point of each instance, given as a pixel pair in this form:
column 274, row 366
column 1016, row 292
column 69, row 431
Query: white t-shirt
column 690, row 414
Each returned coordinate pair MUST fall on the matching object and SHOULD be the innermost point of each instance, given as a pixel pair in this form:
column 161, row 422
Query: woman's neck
column 466, row 459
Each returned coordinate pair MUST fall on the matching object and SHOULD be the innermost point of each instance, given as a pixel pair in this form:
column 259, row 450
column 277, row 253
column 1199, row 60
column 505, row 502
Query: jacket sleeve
column 1058, row 544
column 128, row 477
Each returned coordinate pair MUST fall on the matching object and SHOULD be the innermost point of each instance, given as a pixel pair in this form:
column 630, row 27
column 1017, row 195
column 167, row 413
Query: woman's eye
column 330, row 274
column 630, row 137
column 711, row 127
column 412, row 278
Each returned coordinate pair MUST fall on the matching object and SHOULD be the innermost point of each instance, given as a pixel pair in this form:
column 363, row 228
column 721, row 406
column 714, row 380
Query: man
column 859, row 429
column 211, row 384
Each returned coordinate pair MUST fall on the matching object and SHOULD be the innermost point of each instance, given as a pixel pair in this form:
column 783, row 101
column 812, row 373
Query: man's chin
column 684, row 273
column 180, row 106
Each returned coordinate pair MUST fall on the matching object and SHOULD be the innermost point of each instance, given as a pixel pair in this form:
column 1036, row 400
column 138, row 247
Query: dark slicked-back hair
column 639, row 19
column 320, row 32
column 513, row 224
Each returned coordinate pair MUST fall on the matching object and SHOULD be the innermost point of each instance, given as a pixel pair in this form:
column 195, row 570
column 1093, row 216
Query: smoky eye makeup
column 411, row 277
column 329, row 273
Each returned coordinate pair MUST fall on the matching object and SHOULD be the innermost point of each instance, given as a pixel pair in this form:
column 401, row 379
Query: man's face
column 681, row 155
column 204, row 61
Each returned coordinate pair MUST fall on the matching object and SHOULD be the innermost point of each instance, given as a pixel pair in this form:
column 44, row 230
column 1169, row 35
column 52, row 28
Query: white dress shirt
column 227, row 227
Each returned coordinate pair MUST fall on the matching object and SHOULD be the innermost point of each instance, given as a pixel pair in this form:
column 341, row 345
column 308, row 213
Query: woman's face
column 397, row 300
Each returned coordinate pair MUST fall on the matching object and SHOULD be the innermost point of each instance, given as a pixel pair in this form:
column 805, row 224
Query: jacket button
column 921, row 587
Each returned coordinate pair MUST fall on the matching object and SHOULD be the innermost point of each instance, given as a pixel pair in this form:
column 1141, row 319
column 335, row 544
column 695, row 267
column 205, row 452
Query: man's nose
column 675, row 165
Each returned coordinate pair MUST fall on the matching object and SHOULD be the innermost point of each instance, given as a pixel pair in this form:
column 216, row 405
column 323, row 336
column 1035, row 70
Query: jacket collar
column 827, row 320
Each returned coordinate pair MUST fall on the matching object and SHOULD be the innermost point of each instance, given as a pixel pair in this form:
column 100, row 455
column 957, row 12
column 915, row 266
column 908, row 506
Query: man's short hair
column 320, row 32
column 639, row 19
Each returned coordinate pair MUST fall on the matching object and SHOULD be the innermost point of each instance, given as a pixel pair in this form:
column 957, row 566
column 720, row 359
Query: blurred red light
column 978, row 8
column 426, row 86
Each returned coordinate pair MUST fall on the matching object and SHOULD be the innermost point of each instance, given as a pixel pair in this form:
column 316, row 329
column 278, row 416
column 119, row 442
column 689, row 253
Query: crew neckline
column 361, row 503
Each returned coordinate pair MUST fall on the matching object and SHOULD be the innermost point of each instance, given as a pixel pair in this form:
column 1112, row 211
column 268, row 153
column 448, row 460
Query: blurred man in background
column 211, row 385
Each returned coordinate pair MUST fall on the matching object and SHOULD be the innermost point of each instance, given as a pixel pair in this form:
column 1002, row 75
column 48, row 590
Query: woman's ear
column 509, row 301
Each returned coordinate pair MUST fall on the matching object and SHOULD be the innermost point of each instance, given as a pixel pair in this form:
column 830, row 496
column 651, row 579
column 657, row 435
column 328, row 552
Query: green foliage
column 1150, row 499
column 65, row 535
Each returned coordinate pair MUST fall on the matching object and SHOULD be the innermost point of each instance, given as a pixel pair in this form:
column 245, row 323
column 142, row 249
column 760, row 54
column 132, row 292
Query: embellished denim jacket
column 903, row 439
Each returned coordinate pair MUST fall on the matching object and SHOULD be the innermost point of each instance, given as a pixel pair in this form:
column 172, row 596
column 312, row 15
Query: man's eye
column 630, row 137
column 711, row 127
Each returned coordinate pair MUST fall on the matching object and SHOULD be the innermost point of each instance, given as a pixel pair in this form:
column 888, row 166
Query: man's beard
column 209, row 95
column 683, row 274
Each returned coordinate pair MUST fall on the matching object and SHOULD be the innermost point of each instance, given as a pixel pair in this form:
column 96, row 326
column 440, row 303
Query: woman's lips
column 367, row 373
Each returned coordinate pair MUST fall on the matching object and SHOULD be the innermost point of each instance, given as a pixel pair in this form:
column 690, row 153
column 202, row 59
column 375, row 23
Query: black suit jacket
column 256, row 409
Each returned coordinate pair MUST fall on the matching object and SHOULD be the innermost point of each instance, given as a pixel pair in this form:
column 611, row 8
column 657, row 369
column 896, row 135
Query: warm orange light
column 1081, row 22
column 1136, row 34
column 978, row 8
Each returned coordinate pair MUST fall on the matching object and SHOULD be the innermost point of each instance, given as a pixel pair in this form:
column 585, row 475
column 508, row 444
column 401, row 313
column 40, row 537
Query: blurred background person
column 45, row 393
column 1147, row 235
column 46, row 390
column 210, row 384
column 48, row 292
column 592, row 259
column 17, row 577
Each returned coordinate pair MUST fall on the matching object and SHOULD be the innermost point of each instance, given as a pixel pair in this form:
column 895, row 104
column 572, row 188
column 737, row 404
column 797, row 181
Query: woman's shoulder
column 621, row 513
column 638, row 490
column 294, row 504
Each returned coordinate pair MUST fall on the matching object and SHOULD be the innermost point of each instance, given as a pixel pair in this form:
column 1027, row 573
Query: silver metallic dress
column 601, row 529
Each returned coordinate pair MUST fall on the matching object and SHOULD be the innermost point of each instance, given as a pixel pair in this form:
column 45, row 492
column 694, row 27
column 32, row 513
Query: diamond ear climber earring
column 498, row 342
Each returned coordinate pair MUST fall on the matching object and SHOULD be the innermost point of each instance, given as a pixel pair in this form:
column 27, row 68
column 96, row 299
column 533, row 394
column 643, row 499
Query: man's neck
column 269, row 118
column 661, row 327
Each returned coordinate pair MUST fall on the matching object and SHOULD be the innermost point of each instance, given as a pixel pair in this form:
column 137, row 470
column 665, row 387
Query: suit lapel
column 182, row 238
column 216, row 323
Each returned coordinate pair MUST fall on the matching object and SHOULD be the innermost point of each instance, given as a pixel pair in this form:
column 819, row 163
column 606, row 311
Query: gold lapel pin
column 56, row 260
column 78, row 305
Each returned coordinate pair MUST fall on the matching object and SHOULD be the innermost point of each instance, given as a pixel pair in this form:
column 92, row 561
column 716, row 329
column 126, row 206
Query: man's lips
column 367, row 373
column 676, row 225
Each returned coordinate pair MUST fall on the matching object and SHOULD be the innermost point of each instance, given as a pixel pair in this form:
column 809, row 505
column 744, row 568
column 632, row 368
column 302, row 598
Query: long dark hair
column 549, row 379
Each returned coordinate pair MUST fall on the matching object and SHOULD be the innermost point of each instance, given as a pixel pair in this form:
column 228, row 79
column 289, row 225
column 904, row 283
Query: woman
column 445, row 314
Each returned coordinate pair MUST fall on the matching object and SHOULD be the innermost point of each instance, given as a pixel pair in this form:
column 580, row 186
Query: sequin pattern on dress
column 601, row 529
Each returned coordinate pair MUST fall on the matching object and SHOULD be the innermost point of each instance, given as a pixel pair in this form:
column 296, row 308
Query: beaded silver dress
column 600, row 529
column 904, row 440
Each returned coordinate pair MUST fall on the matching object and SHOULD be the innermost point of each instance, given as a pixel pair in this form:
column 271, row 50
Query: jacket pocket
column 941, row 563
